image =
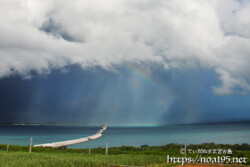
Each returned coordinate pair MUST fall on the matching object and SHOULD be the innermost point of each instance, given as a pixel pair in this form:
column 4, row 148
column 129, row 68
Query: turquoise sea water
column 131, row 136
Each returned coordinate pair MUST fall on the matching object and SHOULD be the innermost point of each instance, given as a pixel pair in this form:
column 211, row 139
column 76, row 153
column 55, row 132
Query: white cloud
column 40, row 35
column 230, row 85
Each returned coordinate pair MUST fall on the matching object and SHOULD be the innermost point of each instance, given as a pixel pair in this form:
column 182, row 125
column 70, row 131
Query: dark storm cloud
column 122, row 97
column 81, row 96
column 15, row 97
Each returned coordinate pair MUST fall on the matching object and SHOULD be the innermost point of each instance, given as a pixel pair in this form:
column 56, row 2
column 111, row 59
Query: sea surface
column 228, row 133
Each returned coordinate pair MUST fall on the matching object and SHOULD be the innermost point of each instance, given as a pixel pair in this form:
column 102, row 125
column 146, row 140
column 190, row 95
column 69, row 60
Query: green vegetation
column 125, row 155
column 17, row 159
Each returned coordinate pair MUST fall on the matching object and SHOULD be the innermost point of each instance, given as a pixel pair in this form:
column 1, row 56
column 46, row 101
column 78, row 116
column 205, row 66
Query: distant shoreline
column 217, row 122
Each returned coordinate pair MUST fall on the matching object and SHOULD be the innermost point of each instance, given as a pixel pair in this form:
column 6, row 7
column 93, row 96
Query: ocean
column 228, row 133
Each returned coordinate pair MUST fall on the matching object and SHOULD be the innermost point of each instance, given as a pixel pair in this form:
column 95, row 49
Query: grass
column 39, row 159
column 151, row 156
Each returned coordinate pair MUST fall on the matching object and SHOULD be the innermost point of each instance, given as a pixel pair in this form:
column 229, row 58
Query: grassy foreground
column 17, row 156
column 17, row 159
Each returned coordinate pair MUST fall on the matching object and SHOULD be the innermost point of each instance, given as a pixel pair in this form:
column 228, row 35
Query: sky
column 124, row 62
